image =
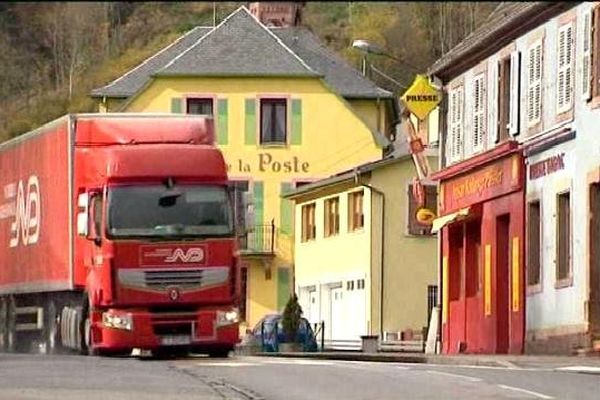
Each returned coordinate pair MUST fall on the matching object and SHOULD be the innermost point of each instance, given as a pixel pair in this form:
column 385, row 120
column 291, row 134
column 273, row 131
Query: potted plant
column 292, row 315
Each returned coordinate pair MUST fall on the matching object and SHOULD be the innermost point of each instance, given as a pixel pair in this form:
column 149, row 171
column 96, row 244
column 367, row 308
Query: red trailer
column 117, row 233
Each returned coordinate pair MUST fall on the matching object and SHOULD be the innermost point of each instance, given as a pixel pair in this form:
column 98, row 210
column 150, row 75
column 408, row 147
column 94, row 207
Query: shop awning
column 440, row 222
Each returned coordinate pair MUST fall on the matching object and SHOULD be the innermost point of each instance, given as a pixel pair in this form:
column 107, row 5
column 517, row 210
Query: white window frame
column 564, row 68
column 515, row 93
column 534, row 83
column 478, row 111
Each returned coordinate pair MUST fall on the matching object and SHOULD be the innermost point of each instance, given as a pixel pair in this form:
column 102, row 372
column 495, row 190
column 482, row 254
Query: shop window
column 414, row 226
column 273, row 121
column 432, row 300
column 332, row 216
column 564, row 236
column 356, row 217
column 308, row 222
column 534, row 243
column 203, row 106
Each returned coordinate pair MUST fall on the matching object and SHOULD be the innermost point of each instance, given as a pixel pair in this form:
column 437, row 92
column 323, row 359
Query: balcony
column 259, row 241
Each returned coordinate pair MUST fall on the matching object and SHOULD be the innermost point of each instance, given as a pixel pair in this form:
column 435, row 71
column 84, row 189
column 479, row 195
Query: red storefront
column 482, row 225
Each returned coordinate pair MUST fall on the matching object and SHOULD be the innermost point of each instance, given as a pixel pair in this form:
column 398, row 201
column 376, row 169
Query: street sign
column 421, row 97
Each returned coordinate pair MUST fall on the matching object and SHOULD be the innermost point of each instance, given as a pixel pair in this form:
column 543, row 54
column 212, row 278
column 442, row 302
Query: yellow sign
column 421, row 98
column 487, row 278
column 515, row 274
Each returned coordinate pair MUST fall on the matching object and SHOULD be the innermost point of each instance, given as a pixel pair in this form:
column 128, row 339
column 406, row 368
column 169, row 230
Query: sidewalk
column 583, row 364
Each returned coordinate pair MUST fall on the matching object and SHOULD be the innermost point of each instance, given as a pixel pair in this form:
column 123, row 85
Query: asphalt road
column 38, row 377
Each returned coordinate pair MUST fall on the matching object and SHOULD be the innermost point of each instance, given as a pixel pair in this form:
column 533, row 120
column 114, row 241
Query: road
column 37, row 377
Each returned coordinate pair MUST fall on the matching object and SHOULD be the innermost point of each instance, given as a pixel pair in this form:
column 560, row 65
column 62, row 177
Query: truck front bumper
column 116, row 330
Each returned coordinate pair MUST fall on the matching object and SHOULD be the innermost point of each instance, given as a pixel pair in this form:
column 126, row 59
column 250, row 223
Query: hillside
column 53, row 54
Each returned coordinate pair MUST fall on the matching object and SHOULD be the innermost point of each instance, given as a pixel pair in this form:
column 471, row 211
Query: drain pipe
column 381, row 271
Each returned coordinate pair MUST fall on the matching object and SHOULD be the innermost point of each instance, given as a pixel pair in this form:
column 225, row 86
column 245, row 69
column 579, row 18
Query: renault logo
column 174, row 294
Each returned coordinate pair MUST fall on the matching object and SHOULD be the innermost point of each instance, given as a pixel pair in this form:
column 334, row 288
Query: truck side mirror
column 82, row 216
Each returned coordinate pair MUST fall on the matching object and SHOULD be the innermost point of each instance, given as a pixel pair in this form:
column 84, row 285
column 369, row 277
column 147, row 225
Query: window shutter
column 478, row 113
column 459, row 123
column 587, row 56
column 534, row 95
column 222, row 129
column 250, row 122
column 515, row 95
column 450, row 142
column 564, row 98
column 176, row 105
column 296, row 138
column 286, row 210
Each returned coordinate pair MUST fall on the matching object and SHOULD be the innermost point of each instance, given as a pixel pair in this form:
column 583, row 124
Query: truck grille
column 184, row 278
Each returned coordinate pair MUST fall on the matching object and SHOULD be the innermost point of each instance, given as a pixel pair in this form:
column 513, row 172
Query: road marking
column 298, row 362
column 469, row 378
column 529, row 392
column 507, row 364
column 226, row 364
column 580, row 368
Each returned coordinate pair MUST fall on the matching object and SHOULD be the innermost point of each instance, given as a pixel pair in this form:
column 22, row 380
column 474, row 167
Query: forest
column 53, row 53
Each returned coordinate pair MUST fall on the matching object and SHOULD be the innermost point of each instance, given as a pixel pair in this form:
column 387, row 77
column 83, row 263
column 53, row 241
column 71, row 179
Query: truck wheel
column 51, row 330
column 85, row 329
column 219, row 353
column 11, row 328
column 3, row 325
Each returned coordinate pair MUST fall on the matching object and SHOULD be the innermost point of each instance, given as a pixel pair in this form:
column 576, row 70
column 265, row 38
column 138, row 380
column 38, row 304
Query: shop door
column 502, row 283
column 337, row 314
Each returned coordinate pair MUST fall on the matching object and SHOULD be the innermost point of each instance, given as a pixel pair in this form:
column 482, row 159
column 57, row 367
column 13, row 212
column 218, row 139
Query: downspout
column 382, row 269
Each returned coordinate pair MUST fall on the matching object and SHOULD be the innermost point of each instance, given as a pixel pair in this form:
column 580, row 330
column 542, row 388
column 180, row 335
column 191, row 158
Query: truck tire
column 12, row 344
column 3, row 324
column 220, row 353
column 52, row 329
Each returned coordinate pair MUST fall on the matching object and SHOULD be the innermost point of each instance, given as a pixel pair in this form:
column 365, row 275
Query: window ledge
column 357, row 230
column 534, row 289
column 564, row 283
column 274, row 145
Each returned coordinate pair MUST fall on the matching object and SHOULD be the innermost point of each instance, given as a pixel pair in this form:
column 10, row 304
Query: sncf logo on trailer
column 23, row 206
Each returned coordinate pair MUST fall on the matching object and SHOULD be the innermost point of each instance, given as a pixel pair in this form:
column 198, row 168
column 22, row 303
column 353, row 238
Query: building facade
column 519, row 180
column 287, row 111
column 364, row 265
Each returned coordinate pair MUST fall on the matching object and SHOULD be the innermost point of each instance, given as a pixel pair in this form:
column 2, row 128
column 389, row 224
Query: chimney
column 277, row 13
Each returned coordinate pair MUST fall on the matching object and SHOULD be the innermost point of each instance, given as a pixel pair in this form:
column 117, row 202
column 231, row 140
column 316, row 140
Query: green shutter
column 286, row 210
column 222, row 121
column 283, row 287
column 259, row 195
column 176, row 105
column 250, row 132
column 296, row 121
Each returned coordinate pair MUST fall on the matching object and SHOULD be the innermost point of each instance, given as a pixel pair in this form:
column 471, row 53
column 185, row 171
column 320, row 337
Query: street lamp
column 364, row 46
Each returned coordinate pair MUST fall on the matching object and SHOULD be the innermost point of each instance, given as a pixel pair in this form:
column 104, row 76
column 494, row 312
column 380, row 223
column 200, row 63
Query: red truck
column 117, row 233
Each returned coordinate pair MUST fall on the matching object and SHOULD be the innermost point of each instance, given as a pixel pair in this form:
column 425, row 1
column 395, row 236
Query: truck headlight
column 117, row 321
column 228, row 317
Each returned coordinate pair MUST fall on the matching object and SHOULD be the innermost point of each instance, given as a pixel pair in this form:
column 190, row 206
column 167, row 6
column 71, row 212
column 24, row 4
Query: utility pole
column 214, row 14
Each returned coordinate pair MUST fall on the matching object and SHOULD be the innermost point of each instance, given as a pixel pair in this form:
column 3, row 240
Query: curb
column 428, row 359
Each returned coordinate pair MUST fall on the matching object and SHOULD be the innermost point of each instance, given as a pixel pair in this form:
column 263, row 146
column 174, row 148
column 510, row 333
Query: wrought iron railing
column 259, row 240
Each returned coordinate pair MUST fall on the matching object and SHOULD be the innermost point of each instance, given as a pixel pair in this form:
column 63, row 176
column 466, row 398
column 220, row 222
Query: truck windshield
column 180, row 211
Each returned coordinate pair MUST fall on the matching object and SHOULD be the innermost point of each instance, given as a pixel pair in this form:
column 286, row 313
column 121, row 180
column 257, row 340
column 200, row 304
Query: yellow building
column 287, row 111
column 361, row 254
